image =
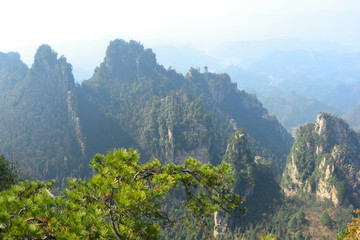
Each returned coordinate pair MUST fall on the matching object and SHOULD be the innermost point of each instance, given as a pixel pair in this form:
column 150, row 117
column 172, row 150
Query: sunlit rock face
column 325, row 161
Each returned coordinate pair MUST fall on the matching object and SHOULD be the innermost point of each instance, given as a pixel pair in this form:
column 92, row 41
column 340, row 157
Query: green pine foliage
column 8, row 173
column 238, row 154
column 297, row 220
column 123, row 200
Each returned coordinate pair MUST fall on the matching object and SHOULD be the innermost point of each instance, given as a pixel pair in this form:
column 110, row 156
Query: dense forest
column 51, row 128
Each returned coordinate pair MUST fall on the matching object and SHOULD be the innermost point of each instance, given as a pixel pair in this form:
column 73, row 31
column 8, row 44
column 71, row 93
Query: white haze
column 81, row 30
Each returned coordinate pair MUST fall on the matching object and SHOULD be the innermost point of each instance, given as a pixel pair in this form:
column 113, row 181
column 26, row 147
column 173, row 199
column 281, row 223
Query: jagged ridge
column 131, row 101
column 325, row 161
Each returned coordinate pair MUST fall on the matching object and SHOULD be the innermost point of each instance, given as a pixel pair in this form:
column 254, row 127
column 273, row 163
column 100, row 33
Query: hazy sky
column 81, row 30
column 168, row 21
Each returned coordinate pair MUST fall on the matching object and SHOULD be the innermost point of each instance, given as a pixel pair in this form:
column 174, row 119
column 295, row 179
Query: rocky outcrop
column 40, row 117
column 184, row 132
column 327, row 191
column 177, row 156
column 253, row 180
column 219, row 88
column 200, row 153
column 292, row 172
column 220, row 224
column 75, row 121
column 324, row 161
column 12, row 71
column 244, row 166
column 131, row 100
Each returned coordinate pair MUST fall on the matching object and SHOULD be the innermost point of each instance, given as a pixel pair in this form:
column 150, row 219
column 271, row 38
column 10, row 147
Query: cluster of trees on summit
column 51, row 128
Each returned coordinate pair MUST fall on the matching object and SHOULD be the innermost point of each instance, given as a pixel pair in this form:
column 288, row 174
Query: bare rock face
column 292, row 172
column 220, row 224
column 324, row 161
column 320, row 125
column 200, row 153
column 219, row 85
column 219, row 91
column 183, row 133
column 327, row 191
column 334, row 129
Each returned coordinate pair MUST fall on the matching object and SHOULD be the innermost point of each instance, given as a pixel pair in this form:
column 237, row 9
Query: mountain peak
column 45, row 56
column 324, row 161
column 12, row 70
column 237, row 148
column 326, row 122
column 49, row 68
column 334, row 129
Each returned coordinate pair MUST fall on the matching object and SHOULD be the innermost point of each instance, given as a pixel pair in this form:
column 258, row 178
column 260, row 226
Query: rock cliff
column 49, row 123
column 324, row 161
column 254, row 181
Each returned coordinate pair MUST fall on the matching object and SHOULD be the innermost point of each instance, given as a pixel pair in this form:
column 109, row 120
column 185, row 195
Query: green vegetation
column 326, row 152
column 8, row 173
column 52, row 126
column 122, row 200
column 352, row 231
column 38, row 120
column 293, row 110
column 296, row 220
column 298, row 235
column 267, row 237
column 239, row 156
column 325, row 218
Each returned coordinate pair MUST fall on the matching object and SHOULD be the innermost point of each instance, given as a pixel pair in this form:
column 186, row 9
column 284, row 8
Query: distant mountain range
column 323, row 76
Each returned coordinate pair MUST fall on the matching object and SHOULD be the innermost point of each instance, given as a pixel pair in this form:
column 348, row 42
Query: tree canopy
column 122, row 200
column 8, row 173
column 352, row 232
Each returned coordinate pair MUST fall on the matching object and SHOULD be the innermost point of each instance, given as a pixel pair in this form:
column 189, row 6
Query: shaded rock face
column 200, row 153
column 324, row 161
column 185, row 135
column 12, row 71
column 52, row 71
column 219, row 93
column 177, row 156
